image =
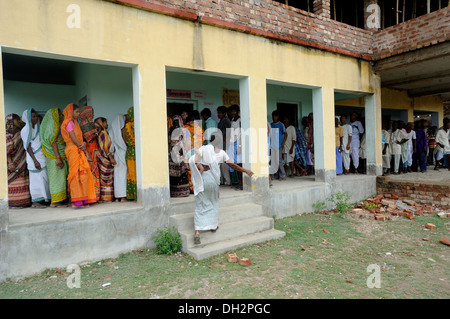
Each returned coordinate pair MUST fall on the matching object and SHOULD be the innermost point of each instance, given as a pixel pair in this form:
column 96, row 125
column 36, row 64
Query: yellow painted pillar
column 4, row 218
column 411, row 113
column 373, row 130
column 152, row 163
column 252, row 91
column 324, row 134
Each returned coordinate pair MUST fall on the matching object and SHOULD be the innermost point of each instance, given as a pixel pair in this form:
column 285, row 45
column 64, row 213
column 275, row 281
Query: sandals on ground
column 38, row 206
column 197, row 240
column 214, row 230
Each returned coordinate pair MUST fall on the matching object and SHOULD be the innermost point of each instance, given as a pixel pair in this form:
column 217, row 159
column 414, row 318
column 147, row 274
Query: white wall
column 109, row 90
column 20, row 96
column 211, row 88
column 285, row 94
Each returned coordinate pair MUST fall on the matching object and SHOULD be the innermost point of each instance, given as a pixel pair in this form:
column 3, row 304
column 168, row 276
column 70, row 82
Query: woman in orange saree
column 194, row 127
column 80, row 178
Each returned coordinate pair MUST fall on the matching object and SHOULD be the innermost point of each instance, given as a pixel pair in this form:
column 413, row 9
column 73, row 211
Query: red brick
column 445, row 241
column 245, row 262
column 232, row 258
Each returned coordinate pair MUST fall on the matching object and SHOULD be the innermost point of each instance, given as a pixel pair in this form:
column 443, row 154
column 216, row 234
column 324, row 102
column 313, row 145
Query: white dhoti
column 206, row 214
column 346, row 160
column 355, row 156
column 396, row 162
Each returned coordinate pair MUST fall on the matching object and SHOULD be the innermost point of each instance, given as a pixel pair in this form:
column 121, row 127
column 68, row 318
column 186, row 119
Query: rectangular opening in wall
column 288, row 110
column 350, row 116
column 306, row 5
column 45, row 83
column 199, row 103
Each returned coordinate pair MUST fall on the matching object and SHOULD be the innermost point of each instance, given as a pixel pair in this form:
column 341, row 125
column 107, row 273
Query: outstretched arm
column 238, row 168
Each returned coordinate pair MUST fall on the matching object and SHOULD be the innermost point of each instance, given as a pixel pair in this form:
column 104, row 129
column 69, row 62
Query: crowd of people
column 407, row 147
column 411, row 147
column 188, row 133
column 198, row 163
column 70, row 158
column 295, row 147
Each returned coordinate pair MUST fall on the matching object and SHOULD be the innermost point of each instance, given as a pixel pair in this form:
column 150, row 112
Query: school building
column 160, row 56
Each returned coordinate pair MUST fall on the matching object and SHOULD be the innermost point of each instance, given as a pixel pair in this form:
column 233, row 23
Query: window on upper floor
column 306, row 5
column 397, row 11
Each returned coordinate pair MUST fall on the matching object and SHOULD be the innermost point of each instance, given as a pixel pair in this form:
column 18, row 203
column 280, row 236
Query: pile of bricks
column 424, row 193
column 384, row 207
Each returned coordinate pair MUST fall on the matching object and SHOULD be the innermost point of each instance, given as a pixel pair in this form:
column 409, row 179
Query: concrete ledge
column 4, row 216
column 297, row 196
column 30, row 249
column 39, row 239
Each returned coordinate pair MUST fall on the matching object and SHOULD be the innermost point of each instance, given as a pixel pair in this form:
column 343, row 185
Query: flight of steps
column 241, row 223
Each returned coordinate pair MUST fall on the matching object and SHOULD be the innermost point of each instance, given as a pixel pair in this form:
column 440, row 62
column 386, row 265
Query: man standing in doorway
column 346, row 143
column 210, row 124
column 223, row 125
column 357, row 130
column 277, row 144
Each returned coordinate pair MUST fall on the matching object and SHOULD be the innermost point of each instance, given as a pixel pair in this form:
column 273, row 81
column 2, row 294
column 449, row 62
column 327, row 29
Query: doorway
column 176, row 108
column 289, row 109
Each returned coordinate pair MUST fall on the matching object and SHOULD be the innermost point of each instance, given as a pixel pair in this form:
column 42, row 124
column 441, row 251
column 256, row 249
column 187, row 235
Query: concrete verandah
column 150, row 43
column 28, row 217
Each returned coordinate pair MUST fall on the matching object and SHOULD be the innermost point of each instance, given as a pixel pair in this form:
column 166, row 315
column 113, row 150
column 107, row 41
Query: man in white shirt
column 443, row 144
column 396, row 147
column 289, row 150
column 357, row 130
column 346, row 143
column 411, row 143
column 386, row 148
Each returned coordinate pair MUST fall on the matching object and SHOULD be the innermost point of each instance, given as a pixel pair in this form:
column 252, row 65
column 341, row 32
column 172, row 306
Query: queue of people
column 70, row 158
column 188, row 133
column 411, row 147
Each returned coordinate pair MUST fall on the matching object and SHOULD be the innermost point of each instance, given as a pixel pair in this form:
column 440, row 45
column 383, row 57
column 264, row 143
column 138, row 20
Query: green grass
column 306, row 263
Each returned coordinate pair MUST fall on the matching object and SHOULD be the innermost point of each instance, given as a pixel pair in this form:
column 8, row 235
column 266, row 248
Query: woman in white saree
column 119, row 148
column 39, row 184
column 206, row 179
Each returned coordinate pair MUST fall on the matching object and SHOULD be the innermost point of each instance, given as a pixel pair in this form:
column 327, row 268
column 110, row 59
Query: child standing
column 278, row 144
column 339, row 137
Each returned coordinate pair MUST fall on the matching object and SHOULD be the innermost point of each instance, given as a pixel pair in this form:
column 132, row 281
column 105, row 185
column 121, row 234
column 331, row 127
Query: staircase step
column 205, row 251
column 228, row 231
column 187, row 205
column 227, row 214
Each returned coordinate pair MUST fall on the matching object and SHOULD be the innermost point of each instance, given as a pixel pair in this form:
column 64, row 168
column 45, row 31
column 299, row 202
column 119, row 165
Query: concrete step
column 187, row 205
column 206, row 251
column 228, row 231
column 227, row 214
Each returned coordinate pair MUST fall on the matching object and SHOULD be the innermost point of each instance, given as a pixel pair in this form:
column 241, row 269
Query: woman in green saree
column 53, row 147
